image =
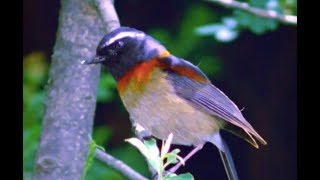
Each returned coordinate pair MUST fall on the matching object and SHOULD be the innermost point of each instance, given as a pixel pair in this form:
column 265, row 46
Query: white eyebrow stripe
column 124, row 34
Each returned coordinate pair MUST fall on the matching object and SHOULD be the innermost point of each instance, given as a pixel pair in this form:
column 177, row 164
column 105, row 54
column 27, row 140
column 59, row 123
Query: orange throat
column 138, row 76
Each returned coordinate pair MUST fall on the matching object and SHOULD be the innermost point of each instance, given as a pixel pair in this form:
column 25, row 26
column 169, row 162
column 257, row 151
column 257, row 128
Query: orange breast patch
column 138, row 76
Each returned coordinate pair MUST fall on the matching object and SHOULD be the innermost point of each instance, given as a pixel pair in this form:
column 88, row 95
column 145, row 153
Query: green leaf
column 186, row 176
column 230, row 22
column 255, row 24
column 209, row 29
column 147, row 151
column 90, row 157
column 139, row 145
column 175, row 152
column 223, row 32
column 151, row 145
column 166, row 147
column 30, row 144
column 154, row 159
column 171, row 159
column 257, row 3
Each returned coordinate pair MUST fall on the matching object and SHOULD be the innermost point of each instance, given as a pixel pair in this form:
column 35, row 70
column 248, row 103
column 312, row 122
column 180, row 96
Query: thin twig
column 270, row 14
column 108, row 14
column 118, row 165
column 189, row 155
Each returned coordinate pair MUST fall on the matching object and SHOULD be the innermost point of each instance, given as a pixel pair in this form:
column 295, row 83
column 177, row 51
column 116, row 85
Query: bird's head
column 123, row 48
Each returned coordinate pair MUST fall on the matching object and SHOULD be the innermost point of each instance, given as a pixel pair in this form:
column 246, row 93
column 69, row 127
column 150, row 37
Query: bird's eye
column 118, row 44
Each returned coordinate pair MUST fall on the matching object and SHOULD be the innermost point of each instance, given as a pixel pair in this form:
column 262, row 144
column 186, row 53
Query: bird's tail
column 225, row 156
column 228, row 162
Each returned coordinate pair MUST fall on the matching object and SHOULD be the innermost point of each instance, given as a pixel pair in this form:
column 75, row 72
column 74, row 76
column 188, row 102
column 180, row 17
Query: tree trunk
column 71, row 95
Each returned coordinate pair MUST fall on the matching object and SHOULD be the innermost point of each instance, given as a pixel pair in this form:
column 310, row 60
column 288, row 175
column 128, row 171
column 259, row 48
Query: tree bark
column 71, row 95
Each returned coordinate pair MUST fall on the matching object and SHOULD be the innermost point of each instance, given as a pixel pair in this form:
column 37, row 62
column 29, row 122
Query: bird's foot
column 141, row 132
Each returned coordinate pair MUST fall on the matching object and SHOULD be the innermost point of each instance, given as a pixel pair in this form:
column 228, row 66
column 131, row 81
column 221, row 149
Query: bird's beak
column 95, row 60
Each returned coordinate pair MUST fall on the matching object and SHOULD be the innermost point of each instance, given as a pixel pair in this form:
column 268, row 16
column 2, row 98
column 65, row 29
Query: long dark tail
column 228, row 162
column 225, row 155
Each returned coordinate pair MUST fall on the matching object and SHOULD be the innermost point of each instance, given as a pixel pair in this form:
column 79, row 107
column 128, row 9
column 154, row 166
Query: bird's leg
column 141, row 132
column 177, row 166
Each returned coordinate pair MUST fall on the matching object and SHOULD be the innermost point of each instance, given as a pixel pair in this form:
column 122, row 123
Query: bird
column 165, row 94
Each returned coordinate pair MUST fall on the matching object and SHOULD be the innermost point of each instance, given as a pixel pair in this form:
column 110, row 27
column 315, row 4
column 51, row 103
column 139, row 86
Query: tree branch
column 118, row 165
column 270, row 14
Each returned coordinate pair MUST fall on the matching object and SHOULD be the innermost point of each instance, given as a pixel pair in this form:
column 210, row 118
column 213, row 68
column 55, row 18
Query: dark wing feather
column 206, row 97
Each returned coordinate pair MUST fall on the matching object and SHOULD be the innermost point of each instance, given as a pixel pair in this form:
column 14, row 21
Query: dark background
column 259, row 73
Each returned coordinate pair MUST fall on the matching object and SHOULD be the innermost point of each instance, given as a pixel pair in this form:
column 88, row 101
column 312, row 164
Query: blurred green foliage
column 35, row 70
column 289, row 6
column 188, row 45
column 187, row 40
column 232, row 25
column 106, row 88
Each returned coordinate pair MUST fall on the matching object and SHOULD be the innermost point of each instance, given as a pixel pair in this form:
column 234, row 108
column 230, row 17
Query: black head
column 123, row 48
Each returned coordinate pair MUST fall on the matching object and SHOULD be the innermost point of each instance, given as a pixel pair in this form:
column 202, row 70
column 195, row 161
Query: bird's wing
column 205, row 96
